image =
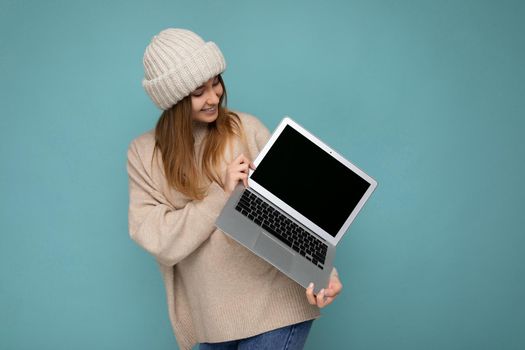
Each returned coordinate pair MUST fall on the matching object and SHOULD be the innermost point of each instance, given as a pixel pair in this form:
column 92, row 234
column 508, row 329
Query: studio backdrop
column 425, row 96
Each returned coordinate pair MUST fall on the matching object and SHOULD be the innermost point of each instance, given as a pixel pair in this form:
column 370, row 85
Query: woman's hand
column 327, row 295
column 236, row 171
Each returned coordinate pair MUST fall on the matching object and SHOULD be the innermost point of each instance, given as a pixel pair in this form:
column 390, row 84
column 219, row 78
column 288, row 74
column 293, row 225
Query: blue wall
column 426, row 96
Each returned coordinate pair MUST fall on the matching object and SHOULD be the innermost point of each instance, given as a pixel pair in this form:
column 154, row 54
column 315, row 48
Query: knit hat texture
column 176, row 62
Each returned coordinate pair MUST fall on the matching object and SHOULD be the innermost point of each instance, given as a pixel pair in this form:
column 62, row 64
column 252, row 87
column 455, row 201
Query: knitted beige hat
column 176, row 62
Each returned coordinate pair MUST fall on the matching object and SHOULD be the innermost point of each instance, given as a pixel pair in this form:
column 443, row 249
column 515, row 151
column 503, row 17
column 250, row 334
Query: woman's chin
column 207, row 117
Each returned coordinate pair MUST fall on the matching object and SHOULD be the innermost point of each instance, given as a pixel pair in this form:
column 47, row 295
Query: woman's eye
column 197, row 93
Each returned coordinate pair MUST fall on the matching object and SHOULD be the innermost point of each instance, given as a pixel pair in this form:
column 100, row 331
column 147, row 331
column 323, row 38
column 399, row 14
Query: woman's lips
column 209, row 110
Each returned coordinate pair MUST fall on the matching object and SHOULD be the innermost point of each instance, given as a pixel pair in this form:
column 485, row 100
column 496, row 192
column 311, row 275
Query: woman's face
column 205, row 101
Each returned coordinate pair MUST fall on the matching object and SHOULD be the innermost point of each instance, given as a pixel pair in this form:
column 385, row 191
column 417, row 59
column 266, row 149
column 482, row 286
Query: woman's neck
column 199, row 129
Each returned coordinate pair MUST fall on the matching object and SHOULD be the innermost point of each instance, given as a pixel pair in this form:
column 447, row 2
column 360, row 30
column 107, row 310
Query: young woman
column 181, row 173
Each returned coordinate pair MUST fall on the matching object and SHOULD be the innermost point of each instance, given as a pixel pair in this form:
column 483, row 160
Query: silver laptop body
column 301, row 199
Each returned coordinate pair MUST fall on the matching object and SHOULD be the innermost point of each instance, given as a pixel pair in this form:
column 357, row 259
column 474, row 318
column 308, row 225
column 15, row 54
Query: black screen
column 310, row 180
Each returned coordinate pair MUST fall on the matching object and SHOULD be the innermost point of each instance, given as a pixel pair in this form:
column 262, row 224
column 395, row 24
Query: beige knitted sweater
column 216, row 289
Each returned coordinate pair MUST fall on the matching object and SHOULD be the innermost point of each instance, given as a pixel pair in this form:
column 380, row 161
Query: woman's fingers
column 326, row 301
column 243, row 167
column 320, row 298
column 333, row 289
column 244, row 161
column 238, row 170
column 241, row 159
column 310, row 294
column 323, row 298
column 334, row 286
column 244, row 178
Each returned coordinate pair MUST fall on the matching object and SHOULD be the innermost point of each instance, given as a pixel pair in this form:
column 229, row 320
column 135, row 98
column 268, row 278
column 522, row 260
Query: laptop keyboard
column 281, row 227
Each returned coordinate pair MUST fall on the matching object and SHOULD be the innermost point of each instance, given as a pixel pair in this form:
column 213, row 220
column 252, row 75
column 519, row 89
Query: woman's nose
column 212, row 97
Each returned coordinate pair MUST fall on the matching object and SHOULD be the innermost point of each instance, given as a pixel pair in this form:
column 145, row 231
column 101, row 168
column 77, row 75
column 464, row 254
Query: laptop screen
column 310, row 180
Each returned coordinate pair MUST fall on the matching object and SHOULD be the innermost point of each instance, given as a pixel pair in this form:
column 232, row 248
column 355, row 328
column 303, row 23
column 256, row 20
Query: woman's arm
column 167, row 233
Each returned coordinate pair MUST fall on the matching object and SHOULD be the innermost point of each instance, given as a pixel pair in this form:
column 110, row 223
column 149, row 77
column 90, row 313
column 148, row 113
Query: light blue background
column 426, row 96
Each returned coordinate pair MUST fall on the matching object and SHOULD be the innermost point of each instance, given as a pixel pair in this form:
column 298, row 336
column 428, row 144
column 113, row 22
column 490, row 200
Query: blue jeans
column 290, row 337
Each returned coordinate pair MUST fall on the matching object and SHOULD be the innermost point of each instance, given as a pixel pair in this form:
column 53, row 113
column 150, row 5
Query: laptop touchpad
column 267, row 247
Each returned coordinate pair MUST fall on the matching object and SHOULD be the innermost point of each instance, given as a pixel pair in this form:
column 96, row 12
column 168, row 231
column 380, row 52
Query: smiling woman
column 205, row 100
column 180, row 176
column 176, row 134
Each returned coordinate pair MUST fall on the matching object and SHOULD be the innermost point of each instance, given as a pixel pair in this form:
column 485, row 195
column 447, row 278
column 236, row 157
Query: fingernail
column 310, row 285
column 322, row 291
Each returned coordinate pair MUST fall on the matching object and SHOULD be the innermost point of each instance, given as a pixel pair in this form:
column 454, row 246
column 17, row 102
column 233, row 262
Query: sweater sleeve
column 262, row 135
column 168, row 233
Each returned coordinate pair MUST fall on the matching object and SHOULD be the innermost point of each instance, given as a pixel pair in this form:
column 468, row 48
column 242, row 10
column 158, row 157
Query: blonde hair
column 174, row 139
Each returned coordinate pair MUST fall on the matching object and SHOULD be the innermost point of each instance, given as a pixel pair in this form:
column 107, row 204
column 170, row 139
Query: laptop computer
column 300, row 201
